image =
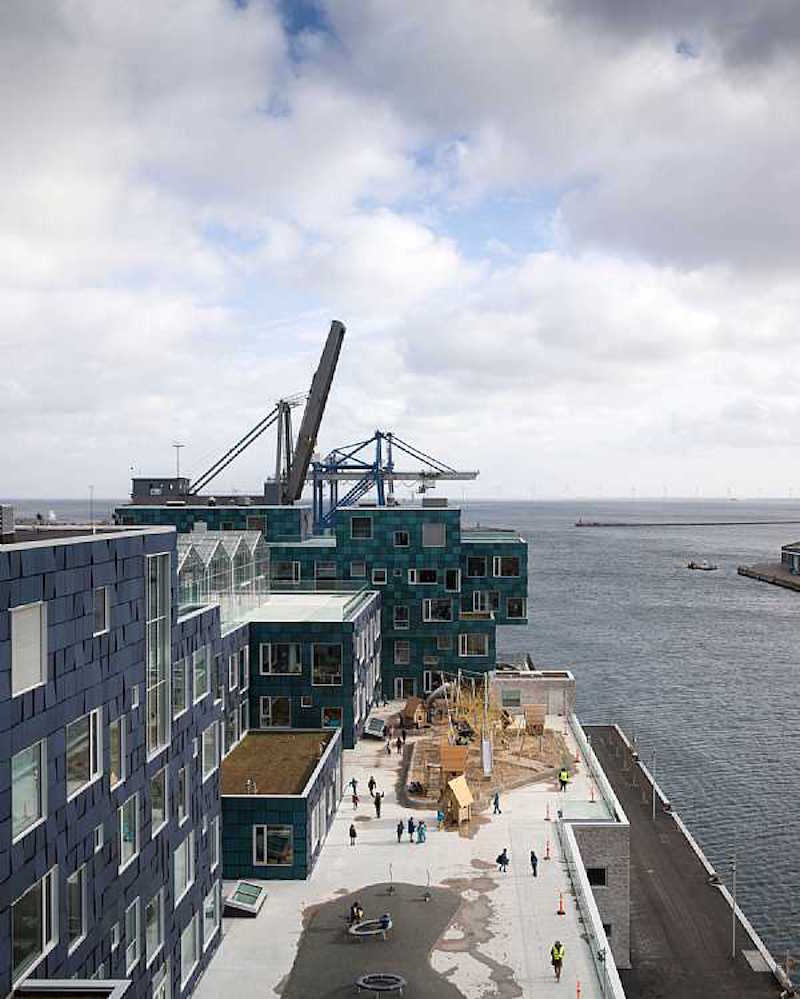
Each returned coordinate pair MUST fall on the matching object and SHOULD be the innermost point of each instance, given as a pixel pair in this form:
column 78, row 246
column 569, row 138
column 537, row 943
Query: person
column 403, row 734
column 356, row 913
column 377, row 800
column 534, row 863
column 354, row 784
column 502, row 860
column 557, row 958
column 385, row 921
column 563, row 778
column 399, row 745
column 400, row 828
column 388, row 747
column 352, row 835
column 439, row 819
column 422, row 831
column 411, row 827
column 496, row 800
column 371, row 785
column 355, row 801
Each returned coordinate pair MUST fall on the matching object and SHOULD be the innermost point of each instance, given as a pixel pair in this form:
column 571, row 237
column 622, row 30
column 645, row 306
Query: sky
column 563, row 236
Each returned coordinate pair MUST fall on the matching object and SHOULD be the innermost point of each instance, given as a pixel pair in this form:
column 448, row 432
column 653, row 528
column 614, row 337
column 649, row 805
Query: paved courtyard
column 496, row 944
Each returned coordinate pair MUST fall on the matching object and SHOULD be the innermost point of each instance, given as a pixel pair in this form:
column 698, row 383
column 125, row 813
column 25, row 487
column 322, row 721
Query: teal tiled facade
column 276, row 523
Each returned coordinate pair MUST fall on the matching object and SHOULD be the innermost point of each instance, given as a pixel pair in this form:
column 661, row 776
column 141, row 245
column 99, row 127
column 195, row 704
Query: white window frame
column 80, row 874
column 440, row 526
column 49, row 900
column 217, row 686
column 497, row 563
column 213, row 852
column 427, row 604
column 480, row 602
column 399, row 625
column 415, row 580
column 186, row 808
column 95, row 750
column 42, row 744
column 203, row 650
column 98, row 837
column 206, row 770
column 158, row 898
column 358, row 575
column 401, row 661
column 269, row 647
column 269, row 698
column 187, row 845
column 358, row 537
column 216, row 892
column 233, row 671
column 161, row 981
column 306, row 701
column 266, row 827
column 106, row 611
column 314, row 646
column 155, row 830
column 193, row 926
column 183, row 664
column 376, row 572
column 131, row 962
column 138, row 843
column 481, row 575
column 244, row 669
column 135, row 696
column 122, row 761
column 244, row 717
column 463, row 644
column 114, row 937
column 521, row 617
column 450, row 589
column 16, row 612
column 164, row 653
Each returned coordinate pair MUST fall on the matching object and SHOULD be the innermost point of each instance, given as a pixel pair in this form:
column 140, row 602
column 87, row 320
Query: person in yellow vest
column 563, row 778
column 557, row 958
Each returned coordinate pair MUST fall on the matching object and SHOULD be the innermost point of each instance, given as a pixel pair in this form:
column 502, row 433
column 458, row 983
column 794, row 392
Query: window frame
column 217, row 899
column 193, row 927
column 457, row 587
column 376, row 572
column 14, row 612
column 440, row 525
column 130, row 964
column 328, row 645
column 196, row 698
column 497, row 567
column 427, row 607
column 120, row 723
column 463, row 644
column 402, row 544
column 123, row 866
column 42, row 790
column 96, row 633
column 233, row 671
column 477, row 575
column 49, row 916
column 80, row 874
column 523, row 607
column 183, row 666
column 326, row 710
column 214, row 851
column 270, row 647
column 244, row 669
column 270, row 698
column 163, row 657
column 358, row 575
column 266, row 827
column 186, row 805
column 206, row 773
column 155, row 830
column 400, row 661
column 186, row 845
column 399, row 625
column 95, row 751
column 366, row 518
column 159, row 899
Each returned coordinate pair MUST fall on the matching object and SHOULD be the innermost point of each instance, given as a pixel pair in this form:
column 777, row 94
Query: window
column 76, row 908
column 276, row 712
column 597, row 876
column 516, row 608
column 452, row 580
column 401, row 539
column 325, row 570
column 158, row 802
column 200, row 673
column 34, row 924
column 437, row 609
column 28, row 788
column 427, row 681
column 158, row 651
column 211, row 911
column 233, row 671
column 219, row 680
column 510, row 698
column 101, row 610
column 358, row 570
column 180, row 688
column 98, row 838
column 131, row 936
column 190, row 949
column 401, row 620
column 273, row 845
column 161, row 982
column 231, row 729
column 183, row 868
column 331, row 717
column 423, row 576
column 326, row 670
column 213, row 843
column 244, row 668
column 433, row 535
column 210, row 750
column 281, row 657
column 402, row 653
column 134, row 696
column 116, row 762
column 154, row 926
column 361, row 528
column 114, row 937
column 28, row 647
column 505, row 565
column 379, row 577
column 494, row 600
column 480, row 602
column 476, row 566
column 84, row 752
column 306, row 701
column 128, row 831
column 607, row 929
column 285, row 572
column 244, row 718
column 444, row 643
column 182, row 796
column 195, row 748
column 473, row 644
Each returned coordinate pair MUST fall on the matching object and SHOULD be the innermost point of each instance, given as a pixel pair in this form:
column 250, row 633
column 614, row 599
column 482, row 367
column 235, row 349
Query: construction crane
column 292, row 458
column 351, row 464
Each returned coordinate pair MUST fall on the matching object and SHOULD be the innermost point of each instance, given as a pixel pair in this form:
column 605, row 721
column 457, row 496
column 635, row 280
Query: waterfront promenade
column 498, row 941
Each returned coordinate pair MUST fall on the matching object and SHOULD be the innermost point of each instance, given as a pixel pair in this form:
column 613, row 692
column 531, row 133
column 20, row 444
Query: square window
column 433, row 535
column 516, row 608
column 273, row 845
column 84, row 753
column 28, row 647
column 401, row 539
column 306, row 701
column 101, row 610
column 401, row 617
column 326, row 667
column 361, row 528
column 379, row 577
column 331, row 717
column 276, row 712
column 358, row 570
column 597, row 876
column 116, row 754
column 28, row 788
column 443, row 643
column 476, row 566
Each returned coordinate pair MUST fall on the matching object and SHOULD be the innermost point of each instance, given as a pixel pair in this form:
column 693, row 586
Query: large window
column 437, row 609
column 28, row 647
column 210, row 750
column 434, row 535
column 158, row 639
column 516, row 608
column 281, row 657
column 200, row 676
column 76, row 908
column 452, row 580
column 182, row 795
column 233, row 671
column 327, row 665
column 401, row 539
column 28, row 788
column 473, row 644
column 101, row 610
column 480, row 602
column 476, row 566
column 423, row 576
column 400, row 617
column 402, row 652
column 180, row 687
column 361, row 528
column 211, row 914
column 276, row 712
column 190, row 949
column 34, row 924
column 331, row 717
column 505, row 565
column 158, row 801
column 116, row 762
column 358, row 570
column 128, row 831
column 154, row 926
column 285, row 572
column 84, row 752
column 131, row 936
column 272, row 845
column 183, row 867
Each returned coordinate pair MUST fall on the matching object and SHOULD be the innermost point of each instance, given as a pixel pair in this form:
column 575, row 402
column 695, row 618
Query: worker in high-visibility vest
column 557, row 958
column 563, row 778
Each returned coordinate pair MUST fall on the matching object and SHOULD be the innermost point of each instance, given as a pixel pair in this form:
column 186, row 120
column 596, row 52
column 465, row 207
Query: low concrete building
column 518, row 683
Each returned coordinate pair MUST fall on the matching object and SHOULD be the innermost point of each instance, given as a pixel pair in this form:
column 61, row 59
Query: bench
column 379, row 983
column 370, row 928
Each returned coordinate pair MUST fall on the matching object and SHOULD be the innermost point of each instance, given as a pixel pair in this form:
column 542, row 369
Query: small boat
column 702, row 566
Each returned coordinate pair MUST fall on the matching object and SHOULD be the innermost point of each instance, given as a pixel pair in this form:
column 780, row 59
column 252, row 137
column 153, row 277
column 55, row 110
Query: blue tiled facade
column 84, row 672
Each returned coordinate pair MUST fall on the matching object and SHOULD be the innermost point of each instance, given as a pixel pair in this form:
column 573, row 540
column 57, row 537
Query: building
column 110, row 860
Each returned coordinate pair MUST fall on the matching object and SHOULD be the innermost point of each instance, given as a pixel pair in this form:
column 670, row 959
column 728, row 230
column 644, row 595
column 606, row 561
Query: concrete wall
column 555, row 688
column 607, row 845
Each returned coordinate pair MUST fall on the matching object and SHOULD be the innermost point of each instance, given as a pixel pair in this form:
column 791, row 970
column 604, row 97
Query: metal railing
column 597, row 772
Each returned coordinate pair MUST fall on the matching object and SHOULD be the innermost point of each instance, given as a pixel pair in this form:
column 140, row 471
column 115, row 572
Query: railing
column 603, row 960
column 603, row 783
column 476, row 616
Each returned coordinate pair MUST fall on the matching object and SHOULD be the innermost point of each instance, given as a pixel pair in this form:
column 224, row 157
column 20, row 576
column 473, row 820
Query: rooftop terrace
column 299, row 606
column 280, row 763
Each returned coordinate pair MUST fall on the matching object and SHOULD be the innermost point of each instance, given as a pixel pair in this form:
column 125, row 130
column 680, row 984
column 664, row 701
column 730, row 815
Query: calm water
column 702, row 667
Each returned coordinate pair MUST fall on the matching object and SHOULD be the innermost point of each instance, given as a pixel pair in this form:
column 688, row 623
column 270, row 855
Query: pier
column 681, row 924
column 771, row 572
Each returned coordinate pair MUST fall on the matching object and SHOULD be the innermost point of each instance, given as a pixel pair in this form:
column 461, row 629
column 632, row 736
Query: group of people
column 420, row 828
column 503, row 861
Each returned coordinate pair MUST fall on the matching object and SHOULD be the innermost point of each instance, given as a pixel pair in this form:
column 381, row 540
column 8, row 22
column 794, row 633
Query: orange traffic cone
column 561, row 911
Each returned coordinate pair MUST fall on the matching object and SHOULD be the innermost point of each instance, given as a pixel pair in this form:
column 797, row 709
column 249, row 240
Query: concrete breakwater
column 770, row 572
column 686, row 523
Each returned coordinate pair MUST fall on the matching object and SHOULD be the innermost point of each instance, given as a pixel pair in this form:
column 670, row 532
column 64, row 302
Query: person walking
column 563, row 778
column 534, row 864
column 352, row 834
column 371, row 785
column 422, row 831
column 557, row 958
column 355, row 801
column 403, row 735
column 388, row 747
column 502, row 860
column 439, row 819
column 399, row 745
column 412, row 825
column 377, row 800
column 400, row 828
column 496, row 800
column 354, row 784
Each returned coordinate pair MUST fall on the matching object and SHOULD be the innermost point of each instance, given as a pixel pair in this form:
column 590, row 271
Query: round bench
column 370, row 928
column 380, row 982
